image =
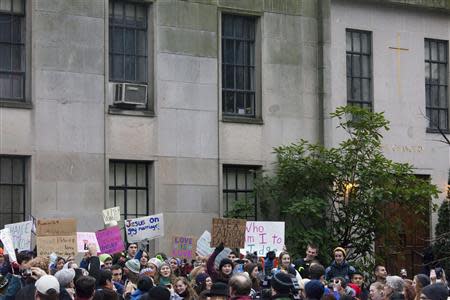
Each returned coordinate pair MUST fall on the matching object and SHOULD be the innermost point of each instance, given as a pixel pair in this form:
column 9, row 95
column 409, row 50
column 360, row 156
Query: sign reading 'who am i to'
column 145, row 228
column 263, row 237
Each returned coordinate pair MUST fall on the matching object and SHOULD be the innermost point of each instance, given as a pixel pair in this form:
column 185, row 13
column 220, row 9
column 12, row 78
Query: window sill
column 433, row 130
column 130, row 112
column 245, row 120
column 15, row 104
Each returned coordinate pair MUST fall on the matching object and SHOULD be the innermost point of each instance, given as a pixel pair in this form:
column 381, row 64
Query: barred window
column 127, row 42
column 238, row 65
column 436, row 83
column 129, row 188
column 238, row 191
column 12, row 50
column 359, row 68
column 12, row 189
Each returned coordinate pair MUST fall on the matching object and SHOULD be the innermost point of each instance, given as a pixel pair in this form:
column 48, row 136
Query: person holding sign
column 225, row 267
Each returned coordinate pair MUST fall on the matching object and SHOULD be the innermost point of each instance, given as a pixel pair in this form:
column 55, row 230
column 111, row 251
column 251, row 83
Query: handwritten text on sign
column 230, row 232
column 263, row 237
column 21, row 234
column 6, row 239
column 203, row 244
column 110, row 240
column 183, row 247
column 62, row 245
column 145, row 228
column 111, row 215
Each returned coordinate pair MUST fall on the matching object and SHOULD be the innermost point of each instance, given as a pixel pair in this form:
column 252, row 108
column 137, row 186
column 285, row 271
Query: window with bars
column 238, row 189
column 129, row 188
column 436, row 83
column 359, row 68
column 12, row 50
column 238, row 65
column 12, row 189
column 128, row 42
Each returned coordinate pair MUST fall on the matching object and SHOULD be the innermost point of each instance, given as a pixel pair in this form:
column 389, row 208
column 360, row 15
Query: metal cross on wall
column 398, row 51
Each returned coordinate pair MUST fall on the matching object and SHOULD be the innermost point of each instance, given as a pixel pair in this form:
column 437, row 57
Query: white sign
column 5, row 237
column 262, row 237
column 145, row 228
column 21, row 234
column 111, row 215
column 203, row 242
column 84, row 239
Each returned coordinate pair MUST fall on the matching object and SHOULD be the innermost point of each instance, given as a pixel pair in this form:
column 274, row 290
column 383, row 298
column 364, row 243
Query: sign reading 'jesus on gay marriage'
column 145, row 228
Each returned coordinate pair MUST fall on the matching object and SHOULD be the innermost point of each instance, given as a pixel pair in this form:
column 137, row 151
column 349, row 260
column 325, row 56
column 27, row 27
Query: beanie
column 201, row 278
column 314, row 289
column 423, row 279
column 65, row 276
column 225, row 261
column 133, row 265
column 104, row 256
column 159, row 293
column 155, row 261
column 282, row 283
column 340, row 249
column 436, row 291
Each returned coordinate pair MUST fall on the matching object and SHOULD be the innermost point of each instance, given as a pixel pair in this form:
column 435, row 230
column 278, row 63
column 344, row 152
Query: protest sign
column 111, row 215
column 263, row 237
column 21, row 234
column 110, row 240
column 84, row 239
column 223, row 254
column 145, row 228
column 62, row 245
column 56, row 227
column 8, row 245
column 230, row 232
column 184, row 247
column 203, row 243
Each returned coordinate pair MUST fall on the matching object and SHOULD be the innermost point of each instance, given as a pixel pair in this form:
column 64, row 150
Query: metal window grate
column 238, row 184
column 12, row 50
column 238, row 65
column 359, row 68
column 436, row 83
column 128, row 42
column 12, row 189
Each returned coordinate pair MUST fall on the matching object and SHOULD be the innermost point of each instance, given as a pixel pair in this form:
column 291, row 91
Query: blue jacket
column 343, row 270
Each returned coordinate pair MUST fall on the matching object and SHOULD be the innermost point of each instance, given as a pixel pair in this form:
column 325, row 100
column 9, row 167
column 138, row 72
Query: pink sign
column 110, row 240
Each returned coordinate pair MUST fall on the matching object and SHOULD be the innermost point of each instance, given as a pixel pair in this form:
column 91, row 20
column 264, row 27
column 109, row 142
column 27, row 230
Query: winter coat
column 343, row 270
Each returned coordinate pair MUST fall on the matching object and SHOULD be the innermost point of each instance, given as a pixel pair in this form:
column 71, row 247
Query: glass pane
column 130, row 47
column 434, row 73
column 131, row 203
column 356, row 42
column 231, row 179
column 251, row 79
column 141, row 18
column 120, row 174
column 241, row 180
column 111, row 174
column 131, row 174
column 5, row 170
column 238, row 27
column 240, row 78
column 427, row 95
column 240, row 103
column 349, row 65
column 17, row 86
column 118, row 10
column 5, row 86
column 5, row 5
column 141, row 69
column 241, row 196
column 17, row 30
column 141, row 175
column 18, row 199
column 250, row 28
column 18, row 6
column 443, row 119
column 129, row 68
column 5, row 28
column 18, row 171
column 433, row 46
column 229, row 77
column 117, row 67
column 120, row 201
column 434, row 118
column 129, row 12
column 18, row 218
column 228, row 51
column 228, row 102
column 141, row 42
column 117, row 40
column 348, row 40
column 427, row 50
column 229, row 199
column 227, row 25
column 142, row 202
column 110, row 200
column 365, row 66
column 434, row 96
column 442, row 74
column 443, row 96
column 365, row 43
column 427, row 72
column 5, row 57
column 442, row 52
column 365, row 89
column 250, row 106
column 356, row 67
column 17, row 58
column 349, row 88
column 251, row 54
column 356, row 89
column 5, row 199
column 240, row 52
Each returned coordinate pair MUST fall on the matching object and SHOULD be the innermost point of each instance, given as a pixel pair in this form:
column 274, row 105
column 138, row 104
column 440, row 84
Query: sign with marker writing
column 84, row 239
column 111, row 215
column 8, row 245
column 110, row 240
column 56, row 227
column 203, row 244
column 21, row 234
column 145, row 228
column 263, row 237
column 230, row 232
column 62, row 245
column 184, row 247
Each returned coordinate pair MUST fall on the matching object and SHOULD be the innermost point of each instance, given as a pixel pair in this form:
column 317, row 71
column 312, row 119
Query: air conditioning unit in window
column 129, row 94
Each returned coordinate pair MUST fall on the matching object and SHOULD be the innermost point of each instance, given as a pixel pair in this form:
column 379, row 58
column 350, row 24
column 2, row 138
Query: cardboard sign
column 21, row 234
column 84, row 239
column 8, row 245
column 62, row 245
column 111, row 215
column 110, row 240
column 56, row 227
column 184, row 247
column 145, row 228
column 229, row 231
column 203, row 243
column 263, row 237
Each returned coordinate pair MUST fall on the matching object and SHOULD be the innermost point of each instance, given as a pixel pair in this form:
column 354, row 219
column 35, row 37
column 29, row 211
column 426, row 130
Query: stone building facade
column 226, row 81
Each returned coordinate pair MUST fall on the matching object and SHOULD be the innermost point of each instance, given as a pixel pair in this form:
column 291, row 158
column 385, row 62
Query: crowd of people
column 135, row 274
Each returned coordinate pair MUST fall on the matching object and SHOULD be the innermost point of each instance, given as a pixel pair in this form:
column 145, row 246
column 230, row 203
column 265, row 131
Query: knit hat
column 218, row 289
column 159, row 293
column 436, row 291
column 225, row 261
column 340, row 249
column 282, row 283
column 133, row 265
column 176, row 259
column 314, row 289
column 423, row 279
column 103, row 257
column 155, row 261
column 46, row 284
column 65, row 276
column 201, row 278
column 147, row 272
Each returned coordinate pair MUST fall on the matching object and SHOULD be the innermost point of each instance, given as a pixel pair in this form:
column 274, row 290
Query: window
column 238, row 65
column 129, row 188
column 359, row 68
column 436, row 82
column 128, row 42
column 238, row 194
column 12, row 189
column 12, row 50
